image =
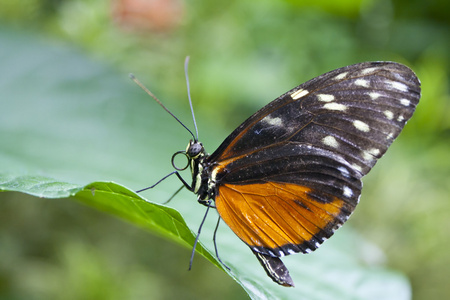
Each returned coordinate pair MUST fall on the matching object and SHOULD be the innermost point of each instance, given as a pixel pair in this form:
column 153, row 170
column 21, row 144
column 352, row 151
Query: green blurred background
column 243, row 54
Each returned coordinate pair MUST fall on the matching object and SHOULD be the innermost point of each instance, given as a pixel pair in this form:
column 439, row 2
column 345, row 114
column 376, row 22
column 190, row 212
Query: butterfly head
column 194, row 150
column 196, row 155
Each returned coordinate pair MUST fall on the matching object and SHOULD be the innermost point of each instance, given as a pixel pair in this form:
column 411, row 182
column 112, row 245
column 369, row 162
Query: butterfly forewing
column 290, row 174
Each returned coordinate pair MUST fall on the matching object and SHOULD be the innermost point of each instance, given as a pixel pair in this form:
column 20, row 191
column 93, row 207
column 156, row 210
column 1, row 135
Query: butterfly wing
column 290, row 175
column 275, row 269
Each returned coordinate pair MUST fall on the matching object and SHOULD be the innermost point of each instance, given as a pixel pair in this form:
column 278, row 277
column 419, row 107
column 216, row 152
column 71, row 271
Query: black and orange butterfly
column 290, row 175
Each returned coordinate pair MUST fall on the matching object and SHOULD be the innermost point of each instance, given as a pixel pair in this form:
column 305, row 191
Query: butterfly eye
column 194, row 150
column 173, row 160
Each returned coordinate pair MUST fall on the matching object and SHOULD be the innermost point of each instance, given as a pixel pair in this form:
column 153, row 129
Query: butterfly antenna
column 186, row 63
column 160, row 103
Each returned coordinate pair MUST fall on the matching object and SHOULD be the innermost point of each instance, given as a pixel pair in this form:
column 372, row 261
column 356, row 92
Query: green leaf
column 38, row 186
column 112, row 198
column 120, row 201
column 87, row 126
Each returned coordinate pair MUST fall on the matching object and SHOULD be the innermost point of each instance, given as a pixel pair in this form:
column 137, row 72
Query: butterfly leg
column 173, row 195
column 215, row 246
column 185, row 184
column 197, row 237
column 206, row 203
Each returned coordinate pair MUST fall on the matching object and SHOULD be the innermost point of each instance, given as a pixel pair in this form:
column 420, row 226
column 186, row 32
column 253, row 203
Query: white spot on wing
column 298, row 94
column 335, row 106
column 400, row 118
column 340, row 76
column 357, row 167
column 366, row 155
column 374, row 95
column 362, row 82
column 347, row 192
column 361, row 126
column 344, row 171
column 405, row 102
column 389, row 114
column 397, row 85
column 325, row 97
column 273, row 121
column 374, row 151
column 368, row 70
column 330, row 141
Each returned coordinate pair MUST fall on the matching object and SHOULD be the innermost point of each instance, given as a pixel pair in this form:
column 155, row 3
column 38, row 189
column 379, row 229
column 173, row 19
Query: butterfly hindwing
column 291, row 174
column 275, row 269
column 279, row 219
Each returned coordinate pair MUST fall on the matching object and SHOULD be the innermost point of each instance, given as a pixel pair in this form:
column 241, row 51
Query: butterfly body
column 290, row 175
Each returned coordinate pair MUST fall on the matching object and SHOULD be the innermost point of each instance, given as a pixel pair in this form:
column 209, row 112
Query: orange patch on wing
column 272, row 215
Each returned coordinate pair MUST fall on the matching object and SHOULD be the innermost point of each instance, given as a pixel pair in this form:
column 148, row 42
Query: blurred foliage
column 77, row 128
column 243, row 54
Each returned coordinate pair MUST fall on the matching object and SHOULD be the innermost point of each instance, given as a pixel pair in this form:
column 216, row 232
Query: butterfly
column 290, row 175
